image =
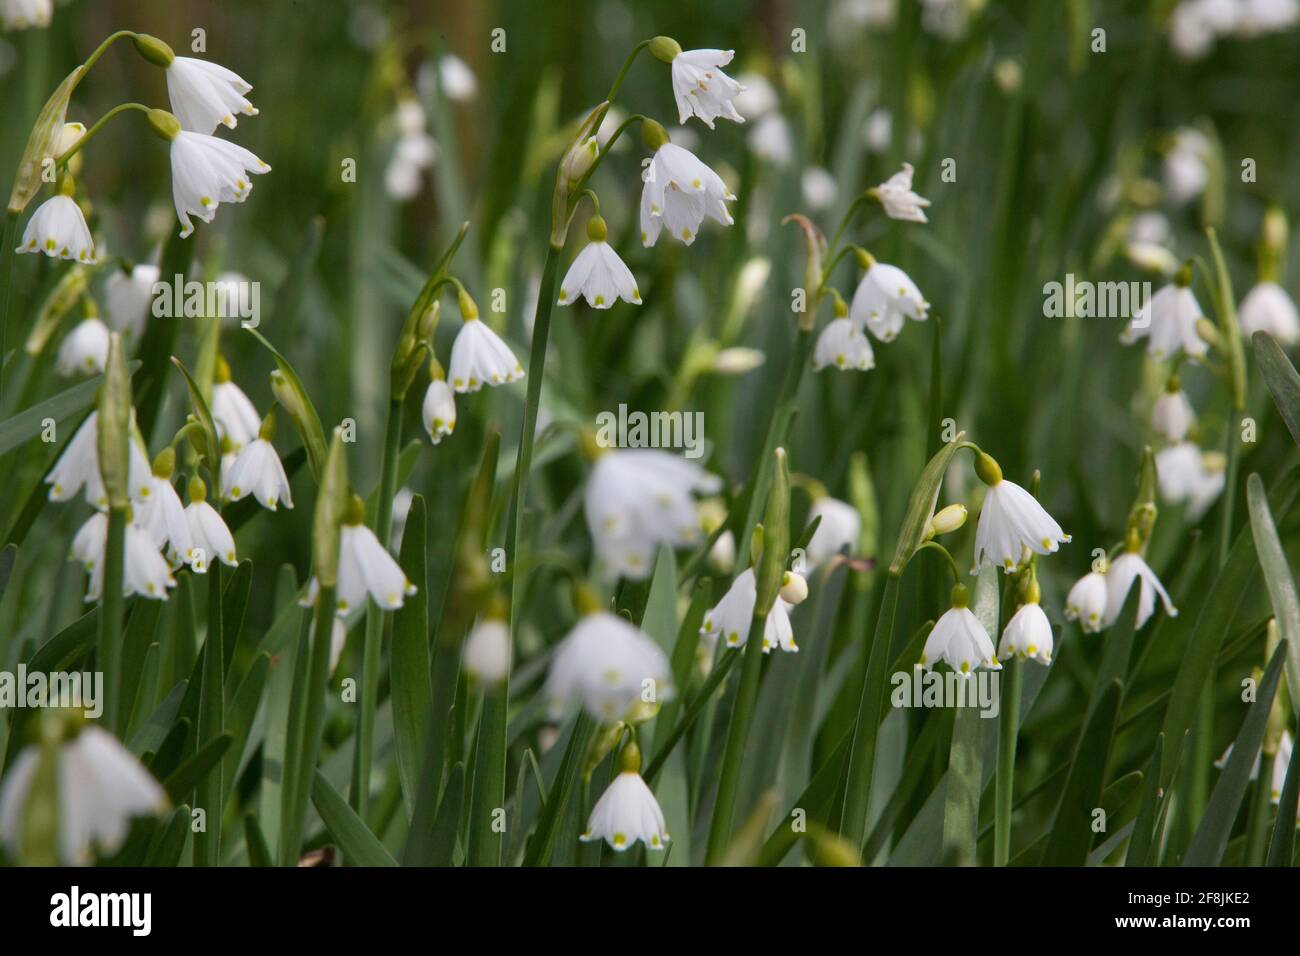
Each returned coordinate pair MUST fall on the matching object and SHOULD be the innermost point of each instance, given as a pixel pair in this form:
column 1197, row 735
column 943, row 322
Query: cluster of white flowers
column 414, row 152
column 1195, row 25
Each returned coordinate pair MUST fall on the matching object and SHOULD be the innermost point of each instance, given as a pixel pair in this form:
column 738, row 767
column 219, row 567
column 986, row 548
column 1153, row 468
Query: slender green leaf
column 359, row 845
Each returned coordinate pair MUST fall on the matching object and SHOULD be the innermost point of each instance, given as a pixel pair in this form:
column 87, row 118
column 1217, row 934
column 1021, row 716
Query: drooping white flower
column 794, row 588
column 1011, row 520
column 771, row 140
column 232, row 412
column 702, row 89
column 25, row 14
column 78, row 466
column 818, row 188
column 757, row 96
column 456, row 79
column 414, row 152
column 366, row 567
column 1186, row 170
column 1124, row 570
column 678, row 192
column 609, row 666
column 839, row 530
column 1168, row 323
column 896, row 196
column 1028, row 634
column 884, row 297
column 101, row 786
column 1190, row 33
column 1281, row 761
column 731, row 617
column 84, row 350
column 205, row 95
column 439, row 410
column 1187, row 475
column 144, row 571
column 208, row 531
column 1267, row 16
column 162, row 517
column 88, row 543
column 843, row 345
column 207, row 171
column 959, row 639
column 257, row 470
column 1086, row 602
column 487, row 651
column 627, row 812
column 598, row 274
column 722, row 556
column 1268, row 308
column 1172, row 414
column 59, row 230
column 639, row 498
column 481, row 357
column 128, row 297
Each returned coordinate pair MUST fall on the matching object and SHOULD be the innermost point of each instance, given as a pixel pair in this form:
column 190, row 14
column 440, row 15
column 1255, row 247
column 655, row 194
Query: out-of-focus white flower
column 609, row 666
column 456, row 79
column 205, row 95
column 757, row 97
column 101, row 786
column 487, row 651
column 794, row 588
column 1168, row 323
column 1190, row 33
column 1011, row 520
column 439, row 410
column 731, row 617
column 207, row 171
column 1124, row 570
column 84, row 350
column 843, row 345
column 366, row 567
column 702, row 89
column 25, row 14
column 128, row 297
column 1267, row 16
column 257, row 471
column 947, row 19
column 1172, row 414
column 722, row 556
column 79, row 466
column 144, row 570
column 896, row 196
column 1151, row 257
column 1086, row 602
column 1186, row 169
column 414, row 152
column 59, row 230
column 1188, row 475
column 162, row 517
column 884, row 297
column 878, row 132
column 959, row 639
column 639, row 498
column 598, row 274
column 818, row 188
column 1281, row 761
column 865, row 13
column 232, row 412
column 627, row 812
column 1268, row 308
column 1028, row 635
column 737, row 360
column 679, row 191
column 771, row 140
column 839, row 530
column 208, row 530
column 1149, row 226
column 480, row 357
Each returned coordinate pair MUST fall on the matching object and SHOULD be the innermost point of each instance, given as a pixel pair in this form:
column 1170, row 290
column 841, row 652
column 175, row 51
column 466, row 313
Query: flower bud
column 165, row 464
column 164, row 124
column 653, row 134
column 987, row 469
column 331, row 502
column 794, row 589
column 579, row 159
column 115, row 426
column 665, row 49
column 41, row 144
column 946, row 521
column 154, row 50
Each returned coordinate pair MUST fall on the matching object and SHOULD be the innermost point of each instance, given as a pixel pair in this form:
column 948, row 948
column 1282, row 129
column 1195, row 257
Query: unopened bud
column 794, row 588
column 946, row 521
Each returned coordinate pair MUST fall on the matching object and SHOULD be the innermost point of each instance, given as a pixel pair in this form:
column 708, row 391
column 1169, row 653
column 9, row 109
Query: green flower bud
column 586, row 600
column 42, row 143
column 356, row 510
column 115, row 426
column 579, row 159
column 165, row 464
column 653, row 135
column 987, row 469
column 596, row 229
column 1183, row 277
column 154, row 50
column 331, row 503
column 776, row 531
column 960, row 596
column 267, row 431
column 665, row 49
column 629, row 761
column 468, row 307
column 164, row 124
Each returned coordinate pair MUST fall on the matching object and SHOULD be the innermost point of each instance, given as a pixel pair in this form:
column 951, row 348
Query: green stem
column 1257, row 838
column 697, row 705
column 99, row 124
column 212, row 718
column 742, row 713
column 110, row 613
column 103, row 47
column 849, row 213
column 489, row 781
column 575, row 756
column 375, row 619
column 862, row 754
column 318, row 662
column 7, row 254
column 1006, row 770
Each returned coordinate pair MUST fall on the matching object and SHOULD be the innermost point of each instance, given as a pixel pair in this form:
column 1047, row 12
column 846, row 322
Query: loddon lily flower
column 234, row 415
column 678, row 191
column 208, row 530
column 609, row 666
column 1028, row 635
column 1281, row 761
column 439, row 409
column 486, row 656
column 1086, row 602
column 1168, row 321
column 84, row 350
column 144, row 570
column 1172, row 414
column 128, row 296
column 885, row 296
column 1268, row 308
column 959, row 639
column 59, row 230
column 843, row 345
column 1011, row 520
column 627, row 811
column 896, row 196
column 479, row 356
column 101, row 786
column 365, row 568
column 1124, row 570
column 25, row 14
column 205, row 95
column 839, row 530
column 1188, row 475
column 639, row 498
column 598, row 274
column 78, row 467
column 730, row 617
column 700, row 87
column 162, row 516
column 257, row 470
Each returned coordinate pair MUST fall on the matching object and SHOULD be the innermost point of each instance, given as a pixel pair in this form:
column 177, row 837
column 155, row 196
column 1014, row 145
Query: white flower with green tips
column 205, row 95
column 598, row 274
column 439, row 410
column 58, row 229
column 84, row 350
column 1011, row 522
column 678, row 192
column 1086, row 602
column 959, row 639
column 1268, row 308
column 885, row 296
column 627, row 811
column 1028, row 635
column 481, row 357
column 208, row 530
column 843, row 345
column 898, row 199
column 700, row 87
column 609, row 666
column 731, row 617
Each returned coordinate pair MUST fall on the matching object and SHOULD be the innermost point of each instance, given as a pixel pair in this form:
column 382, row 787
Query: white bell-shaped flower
column 639, row 498
column 885, row 296
column 486, row 656
column 209, row 533
column 1124, row 570
column 84, row 350
column 18, row 15
column 598, row 274
column 162, row 516
column 128, row 298
column 439, row 410
column 257, row 470
column 234, row 415
column 101, row 787
column 678, row 192
column 1281, row 761
column 896, row 196
column 843, row 345
column 481, row 357
column 1028, row 635
column 205, row 95
column 627, row 811
column 1172, row 415
column 839, row 530
column 207, row 171
column 959, row 639
column 78, row 467
column 1268, row 308
column 731, row 617
column 609, row 666
column 1011, row 520
column 1168, row 322
column 702, row 89
column 59, row 230
column 1086, row 602
column 1187, row 475
column 366, row 567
